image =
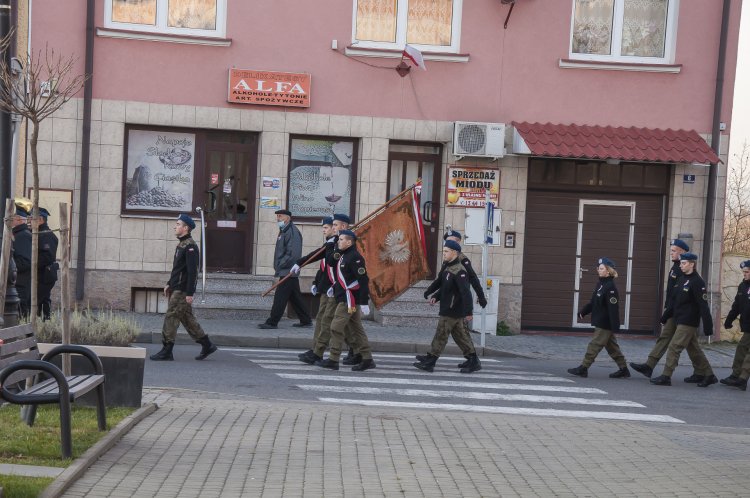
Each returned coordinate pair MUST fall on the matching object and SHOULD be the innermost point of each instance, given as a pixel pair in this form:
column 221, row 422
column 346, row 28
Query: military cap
column 44, row 213
column 348, row 233
column 327, row 221
column 681, row 244
column 187, row 220
column 21, row 212
column 688, row 256
column 452, row 233
column 452, row 244
column 283, row 211
column 606, row 262
column 342, row 217
column 745, row 264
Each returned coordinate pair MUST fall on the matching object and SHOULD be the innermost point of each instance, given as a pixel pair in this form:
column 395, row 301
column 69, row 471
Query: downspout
column 715, row 145
column 88, row 90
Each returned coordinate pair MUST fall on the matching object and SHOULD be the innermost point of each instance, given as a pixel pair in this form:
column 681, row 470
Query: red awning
column 607, row 142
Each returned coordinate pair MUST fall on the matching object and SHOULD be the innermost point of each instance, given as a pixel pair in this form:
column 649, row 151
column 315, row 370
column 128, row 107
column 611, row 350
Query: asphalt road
column 504, row 385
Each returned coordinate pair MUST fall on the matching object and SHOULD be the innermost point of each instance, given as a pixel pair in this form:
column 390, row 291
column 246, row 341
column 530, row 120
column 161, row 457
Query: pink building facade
column 319, row 120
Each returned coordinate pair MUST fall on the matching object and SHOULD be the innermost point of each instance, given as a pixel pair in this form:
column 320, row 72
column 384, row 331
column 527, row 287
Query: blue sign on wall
column 688, row 178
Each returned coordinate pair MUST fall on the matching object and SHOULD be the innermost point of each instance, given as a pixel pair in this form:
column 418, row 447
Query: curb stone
column 82, row 463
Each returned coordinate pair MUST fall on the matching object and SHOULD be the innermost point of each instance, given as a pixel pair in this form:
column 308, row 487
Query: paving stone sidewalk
column 230, row 447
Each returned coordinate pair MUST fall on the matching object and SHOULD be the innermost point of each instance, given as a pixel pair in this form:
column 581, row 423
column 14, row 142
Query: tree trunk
column 34, row 224
column 65, row 282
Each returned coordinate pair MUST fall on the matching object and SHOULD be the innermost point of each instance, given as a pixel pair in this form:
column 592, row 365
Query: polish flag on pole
column 415, row 56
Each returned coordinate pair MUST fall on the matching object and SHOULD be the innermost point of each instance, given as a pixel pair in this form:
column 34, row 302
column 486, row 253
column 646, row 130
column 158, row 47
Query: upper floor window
column 640, row 31
column 429, row 25
column 179, row 17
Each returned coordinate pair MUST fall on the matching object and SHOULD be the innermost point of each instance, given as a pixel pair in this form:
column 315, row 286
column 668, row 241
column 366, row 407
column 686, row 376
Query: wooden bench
column 19, row 359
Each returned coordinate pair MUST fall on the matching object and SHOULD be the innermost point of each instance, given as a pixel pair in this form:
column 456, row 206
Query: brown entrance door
column 407, row 163
column 229, row 204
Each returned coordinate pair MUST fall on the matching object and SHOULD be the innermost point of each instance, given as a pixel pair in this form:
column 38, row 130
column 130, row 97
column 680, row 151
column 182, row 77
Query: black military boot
column 309, row 357
column 642, row 368
column 729, row 381
column 422, row 357
column 353, row 360
column 463, row 364
column 327, row 363
column 662, row 380
column 165, row 354
column 306, row 353
column 622, row 373
column 472, row 364
column 207, row 347
column 694, row 379
column 580, row 371
column 363, row 365
column 708, row 380
column 428, row 365
column 740, row 384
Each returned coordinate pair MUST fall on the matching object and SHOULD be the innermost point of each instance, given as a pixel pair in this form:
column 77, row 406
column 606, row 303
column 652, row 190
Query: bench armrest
column 37, row 365
column 82, row 350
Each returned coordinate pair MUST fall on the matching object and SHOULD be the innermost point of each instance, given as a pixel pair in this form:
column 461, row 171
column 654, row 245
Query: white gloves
column 330, row 292
column 314, row 290
column 365, row 309
column 295, row 269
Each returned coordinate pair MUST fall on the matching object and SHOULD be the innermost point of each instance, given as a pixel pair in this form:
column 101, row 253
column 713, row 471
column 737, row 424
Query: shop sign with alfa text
column 467, row 186
column 248, row 86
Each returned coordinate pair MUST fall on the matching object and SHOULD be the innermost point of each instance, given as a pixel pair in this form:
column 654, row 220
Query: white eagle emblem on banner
column 396, row 248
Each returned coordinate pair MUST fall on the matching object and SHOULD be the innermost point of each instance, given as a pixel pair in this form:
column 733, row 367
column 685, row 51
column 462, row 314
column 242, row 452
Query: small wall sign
column 688, row 178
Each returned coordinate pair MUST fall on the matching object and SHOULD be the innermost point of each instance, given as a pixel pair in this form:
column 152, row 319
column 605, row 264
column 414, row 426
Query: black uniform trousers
column 288, row 291
column 44, row 297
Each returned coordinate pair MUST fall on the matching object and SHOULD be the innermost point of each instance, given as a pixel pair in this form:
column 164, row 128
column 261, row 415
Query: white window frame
column 401, row 21
column 161, row 26
column 670, row 38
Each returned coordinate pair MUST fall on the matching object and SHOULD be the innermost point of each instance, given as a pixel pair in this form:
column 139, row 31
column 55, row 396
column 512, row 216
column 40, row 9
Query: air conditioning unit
column 479, row 139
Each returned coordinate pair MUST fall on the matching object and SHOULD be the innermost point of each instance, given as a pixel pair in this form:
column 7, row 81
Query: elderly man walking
column 288, row 251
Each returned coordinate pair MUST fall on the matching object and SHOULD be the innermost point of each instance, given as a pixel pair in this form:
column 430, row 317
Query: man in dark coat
column 22, row 257
column 47, row 266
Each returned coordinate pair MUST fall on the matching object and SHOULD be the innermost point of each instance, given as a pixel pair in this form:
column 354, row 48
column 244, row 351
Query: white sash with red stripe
column 348, row 288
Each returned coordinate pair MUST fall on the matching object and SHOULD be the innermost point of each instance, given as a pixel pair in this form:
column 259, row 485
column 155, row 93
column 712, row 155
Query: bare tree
column 737, row 210
column 35, row 89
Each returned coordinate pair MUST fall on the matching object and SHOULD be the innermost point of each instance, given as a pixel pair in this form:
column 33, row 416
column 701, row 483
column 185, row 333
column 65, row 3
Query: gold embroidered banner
column 394, row 249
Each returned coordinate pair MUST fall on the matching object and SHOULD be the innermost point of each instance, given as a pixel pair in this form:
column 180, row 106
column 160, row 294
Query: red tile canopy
column 607, row 142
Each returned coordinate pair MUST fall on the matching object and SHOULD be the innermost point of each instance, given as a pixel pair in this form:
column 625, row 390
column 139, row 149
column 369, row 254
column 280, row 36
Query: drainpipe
column 88, row 90
column 715, row 144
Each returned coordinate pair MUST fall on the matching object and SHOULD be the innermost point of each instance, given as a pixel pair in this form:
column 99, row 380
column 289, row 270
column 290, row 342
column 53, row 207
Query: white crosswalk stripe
column 497, row 388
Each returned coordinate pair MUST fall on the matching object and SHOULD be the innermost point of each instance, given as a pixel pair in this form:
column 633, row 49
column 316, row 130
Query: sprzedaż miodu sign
column 467, row 186
column 248, row 86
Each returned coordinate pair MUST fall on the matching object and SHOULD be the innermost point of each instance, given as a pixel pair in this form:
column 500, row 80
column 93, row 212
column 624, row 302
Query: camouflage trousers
column 180, row 311
column 343, row 320
column 603, row 339
column 662, row 344
column 454, row 327
column 686, row 337
column 741, row 363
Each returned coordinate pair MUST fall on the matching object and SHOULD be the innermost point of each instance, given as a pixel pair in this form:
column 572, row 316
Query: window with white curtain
column 205, row 18
column 639, row 31
column 430, row 25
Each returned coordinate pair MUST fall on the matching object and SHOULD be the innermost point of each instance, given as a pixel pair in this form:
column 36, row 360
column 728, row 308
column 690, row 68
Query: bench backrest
column 19, row 343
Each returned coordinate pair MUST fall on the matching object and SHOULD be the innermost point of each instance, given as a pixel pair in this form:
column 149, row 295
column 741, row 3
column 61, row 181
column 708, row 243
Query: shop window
column 636, row 31
column 429, row 25
column 322, row 173
column 178, row 17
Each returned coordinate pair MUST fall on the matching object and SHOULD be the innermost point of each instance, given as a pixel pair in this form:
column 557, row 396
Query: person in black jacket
column 741, row 309
column 47, row 266
column 22, row 257
column 604, row 308
column 676, row 249
column 466, row 262
column 455, row 299
column 688, row 308
column 180, row 290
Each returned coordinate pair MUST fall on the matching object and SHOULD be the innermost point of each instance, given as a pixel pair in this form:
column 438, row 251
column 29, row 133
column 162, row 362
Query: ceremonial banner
column 393, row 245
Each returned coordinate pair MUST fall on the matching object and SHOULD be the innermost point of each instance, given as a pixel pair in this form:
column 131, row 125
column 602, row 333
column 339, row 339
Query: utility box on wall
column 474, row 227
column 492, row 293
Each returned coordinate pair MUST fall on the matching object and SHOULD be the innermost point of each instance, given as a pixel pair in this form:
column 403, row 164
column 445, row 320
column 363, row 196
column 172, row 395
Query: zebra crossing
column 498, row 388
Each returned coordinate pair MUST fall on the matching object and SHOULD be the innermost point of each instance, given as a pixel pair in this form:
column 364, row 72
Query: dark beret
column 283, row 211
column 452, row 233
column 327, row 221
column 44, row 213
column 606, row 262
column 187, row 220
column 745, row 264
column 21, row 212
column 348, row 233
column 452, row 244
column 681, row 244
column 342, row 217
column 688, row 256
